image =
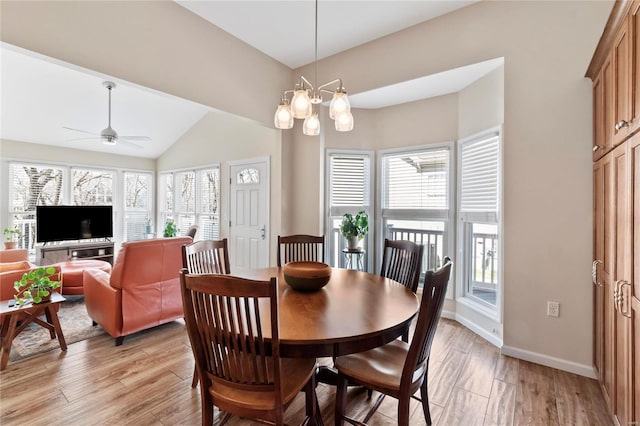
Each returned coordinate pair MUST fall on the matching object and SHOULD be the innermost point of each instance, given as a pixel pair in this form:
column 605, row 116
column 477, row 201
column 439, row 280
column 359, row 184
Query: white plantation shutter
column 479, row 173
column 416, row 180
column 209, row 199
column 349, row 181
column 138, row 189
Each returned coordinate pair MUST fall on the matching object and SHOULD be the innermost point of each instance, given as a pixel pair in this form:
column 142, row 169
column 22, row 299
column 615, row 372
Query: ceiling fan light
column 311, row 125
column 301, row 104
column 283, row 118
column 339, row 104
column 344, row 122
column 109, row 140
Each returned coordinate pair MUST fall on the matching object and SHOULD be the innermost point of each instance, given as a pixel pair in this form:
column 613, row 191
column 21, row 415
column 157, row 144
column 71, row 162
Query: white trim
column 471, row 325
column 446, row 215
column 550, row 361
column 497, row 313
column 370, row 209
column 267, row 161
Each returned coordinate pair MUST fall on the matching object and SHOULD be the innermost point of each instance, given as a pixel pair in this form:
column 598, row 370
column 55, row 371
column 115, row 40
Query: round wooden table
column 354, row 312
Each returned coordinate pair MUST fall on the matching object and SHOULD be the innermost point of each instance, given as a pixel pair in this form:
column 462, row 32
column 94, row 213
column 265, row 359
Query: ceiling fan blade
column 136, row 138
column 81, row 131
column 127, row 143
column 96, row 138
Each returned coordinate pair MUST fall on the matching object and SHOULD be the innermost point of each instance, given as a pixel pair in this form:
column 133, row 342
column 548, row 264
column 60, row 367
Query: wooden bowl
column 306, row 276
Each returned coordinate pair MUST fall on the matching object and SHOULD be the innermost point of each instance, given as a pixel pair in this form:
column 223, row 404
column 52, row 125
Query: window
column 138, row 205
column 92, row 187
column 32, row 185
column 415, row 194
column 349, row 190
column 191, row 197
column 479, row 217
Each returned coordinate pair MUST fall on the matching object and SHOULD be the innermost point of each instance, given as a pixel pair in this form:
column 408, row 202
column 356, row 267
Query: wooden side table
column 29, row 313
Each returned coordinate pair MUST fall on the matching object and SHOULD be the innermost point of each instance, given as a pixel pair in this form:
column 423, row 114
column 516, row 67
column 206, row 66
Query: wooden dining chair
column 402, row 262
column 296, row 248
column 397, row 369
column 206, row 257
column 234, row 332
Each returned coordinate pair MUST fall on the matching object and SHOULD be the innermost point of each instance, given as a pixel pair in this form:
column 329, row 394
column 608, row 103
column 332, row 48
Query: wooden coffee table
column 27, row 314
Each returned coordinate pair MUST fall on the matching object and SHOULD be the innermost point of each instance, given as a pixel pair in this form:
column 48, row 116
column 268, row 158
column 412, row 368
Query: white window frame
column 149, row 212
column 162, row 214
column 463, row 230
column 445, row 215
column 333, row 213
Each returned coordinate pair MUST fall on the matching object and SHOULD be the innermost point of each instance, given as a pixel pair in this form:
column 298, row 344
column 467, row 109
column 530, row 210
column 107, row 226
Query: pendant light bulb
column 344, row 122
column 311, row 126
column 283, row 118
column 339, row 104
column 301, row 104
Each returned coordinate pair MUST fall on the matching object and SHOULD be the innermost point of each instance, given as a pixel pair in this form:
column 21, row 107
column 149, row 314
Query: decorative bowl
column 306, row 276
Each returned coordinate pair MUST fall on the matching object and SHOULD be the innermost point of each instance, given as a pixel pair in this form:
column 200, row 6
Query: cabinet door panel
column 621, row 85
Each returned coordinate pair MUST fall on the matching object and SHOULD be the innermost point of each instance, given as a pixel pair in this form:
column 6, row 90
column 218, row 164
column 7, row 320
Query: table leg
column 56, row 324
column 7, row 340
column 47, row 314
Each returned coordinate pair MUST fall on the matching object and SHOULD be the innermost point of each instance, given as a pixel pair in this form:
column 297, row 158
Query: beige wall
column 481, row 104
column 546, row 46
column 221, row 138
column 157, row 44
column 547, row 139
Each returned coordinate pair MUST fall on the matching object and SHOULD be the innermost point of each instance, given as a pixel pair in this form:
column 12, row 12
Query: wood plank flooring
column 147, row 381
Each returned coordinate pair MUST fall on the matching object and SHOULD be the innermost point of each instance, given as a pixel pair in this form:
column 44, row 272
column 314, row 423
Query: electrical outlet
column 553, row 309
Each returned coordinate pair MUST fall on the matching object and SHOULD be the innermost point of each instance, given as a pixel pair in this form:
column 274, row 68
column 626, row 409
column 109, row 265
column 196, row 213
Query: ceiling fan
column 109, row 136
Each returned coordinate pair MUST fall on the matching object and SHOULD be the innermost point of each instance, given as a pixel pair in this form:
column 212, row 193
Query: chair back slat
column 225, row 317
column 401, row 261
column 206, row 257
column 297, row 248
column 434, row 291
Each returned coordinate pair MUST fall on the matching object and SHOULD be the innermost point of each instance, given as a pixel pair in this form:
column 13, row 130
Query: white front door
column 249, row 207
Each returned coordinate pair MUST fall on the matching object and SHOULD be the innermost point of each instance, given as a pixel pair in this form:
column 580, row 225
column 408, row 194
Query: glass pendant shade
column 344, row 122
column 311, row 125
column 301, row 104
column 339, row 104
column 283, row 118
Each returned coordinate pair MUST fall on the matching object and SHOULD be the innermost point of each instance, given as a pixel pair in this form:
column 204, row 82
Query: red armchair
column 142, row 291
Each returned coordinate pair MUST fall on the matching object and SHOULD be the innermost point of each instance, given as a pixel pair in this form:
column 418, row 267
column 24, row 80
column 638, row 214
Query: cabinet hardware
column 621, row 297
column 620, row 124
column 594, row 273
column 596, row 147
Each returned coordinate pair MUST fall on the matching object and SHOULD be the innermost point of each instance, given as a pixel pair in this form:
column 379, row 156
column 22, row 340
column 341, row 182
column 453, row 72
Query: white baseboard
column 538, row 358
column 490, row 337
column 550, row 361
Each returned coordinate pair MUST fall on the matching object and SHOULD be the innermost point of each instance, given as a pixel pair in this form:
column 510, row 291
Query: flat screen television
column 62, row 223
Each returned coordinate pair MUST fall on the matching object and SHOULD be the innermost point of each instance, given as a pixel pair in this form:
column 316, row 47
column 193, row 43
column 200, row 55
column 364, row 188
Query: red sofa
column 142, row 291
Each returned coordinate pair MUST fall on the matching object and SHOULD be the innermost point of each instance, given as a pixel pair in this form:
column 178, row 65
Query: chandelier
column 306, row 97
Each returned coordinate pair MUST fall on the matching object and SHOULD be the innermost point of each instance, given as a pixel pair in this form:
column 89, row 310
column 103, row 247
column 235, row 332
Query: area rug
column 74, row 321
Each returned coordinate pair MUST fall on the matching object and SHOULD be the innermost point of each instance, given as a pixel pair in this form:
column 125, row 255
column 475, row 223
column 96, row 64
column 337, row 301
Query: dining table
column 354, row 312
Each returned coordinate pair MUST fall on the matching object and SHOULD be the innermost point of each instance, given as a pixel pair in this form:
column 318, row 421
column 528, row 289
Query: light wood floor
column 147, row 381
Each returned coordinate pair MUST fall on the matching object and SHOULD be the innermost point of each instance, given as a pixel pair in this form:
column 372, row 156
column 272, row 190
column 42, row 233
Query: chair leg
column 403, row 411
column 207, row 407
column 341, row 400
column 424, row 396
column 194, row 382
column 311, row 403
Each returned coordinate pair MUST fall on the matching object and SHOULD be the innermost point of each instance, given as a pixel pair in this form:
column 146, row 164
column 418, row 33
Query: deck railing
column 484, row 261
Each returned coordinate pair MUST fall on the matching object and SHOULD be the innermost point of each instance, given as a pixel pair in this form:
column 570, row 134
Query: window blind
column 416, row 180
column 479, row 176
column 137, row 204
column 91, row 187
column 349, row 181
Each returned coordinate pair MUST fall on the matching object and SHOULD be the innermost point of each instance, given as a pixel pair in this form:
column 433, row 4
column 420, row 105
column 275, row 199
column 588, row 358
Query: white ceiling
column 284, row 30
column 40, row 95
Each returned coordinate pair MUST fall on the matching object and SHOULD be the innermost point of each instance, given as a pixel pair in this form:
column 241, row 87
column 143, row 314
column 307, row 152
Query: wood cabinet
column 602, row 112
column 615, row 71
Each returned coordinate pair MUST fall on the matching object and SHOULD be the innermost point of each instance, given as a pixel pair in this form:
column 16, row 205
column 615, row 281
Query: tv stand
column 48, row 254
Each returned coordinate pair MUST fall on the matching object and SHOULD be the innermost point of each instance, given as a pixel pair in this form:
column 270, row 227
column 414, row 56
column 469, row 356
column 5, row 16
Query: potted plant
column 354, row 228
column 36, row 286
column 11, row 237
column 170, row 229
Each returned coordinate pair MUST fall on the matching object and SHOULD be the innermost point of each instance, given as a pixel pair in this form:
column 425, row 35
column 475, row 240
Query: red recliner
column 142, row 291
